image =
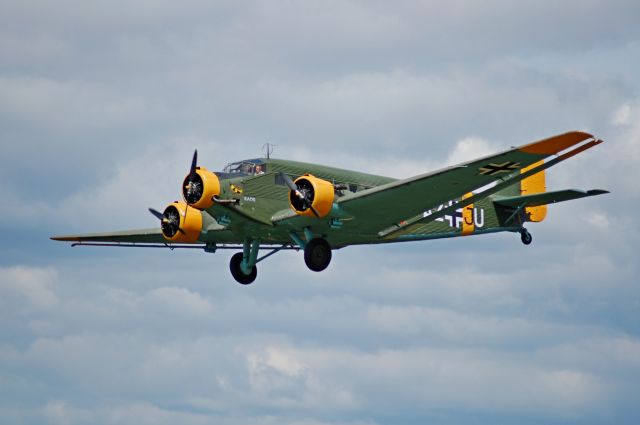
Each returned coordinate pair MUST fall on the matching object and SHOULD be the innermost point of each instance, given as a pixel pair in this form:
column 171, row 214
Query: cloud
column 279, row 377
column 469, row 149
column 85, row 104
column 180, row 301
column 366, row 345
column 598, row 220
column 28, row 286
column 59, row 412
column 451, row 379
column 622, row 115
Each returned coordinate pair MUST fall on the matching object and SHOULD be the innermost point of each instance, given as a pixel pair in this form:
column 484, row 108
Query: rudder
column 530, row 186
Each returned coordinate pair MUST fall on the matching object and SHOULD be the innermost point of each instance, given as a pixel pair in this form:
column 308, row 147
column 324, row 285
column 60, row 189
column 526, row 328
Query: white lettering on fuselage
column 455, row 220
column 250, row 199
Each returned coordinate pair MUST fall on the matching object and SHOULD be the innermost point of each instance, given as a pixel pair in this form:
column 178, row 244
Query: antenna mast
column 267, row 149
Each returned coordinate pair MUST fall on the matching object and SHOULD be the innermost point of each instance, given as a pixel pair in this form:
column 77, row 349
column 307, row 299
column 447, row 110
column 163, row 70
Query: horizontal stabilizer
column 545, row 198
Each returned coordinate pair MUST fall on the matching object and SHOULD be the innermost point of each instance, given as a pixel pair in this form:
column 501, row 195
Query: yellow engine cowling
column 179, row 214
column 320, row 194
column 204, row 187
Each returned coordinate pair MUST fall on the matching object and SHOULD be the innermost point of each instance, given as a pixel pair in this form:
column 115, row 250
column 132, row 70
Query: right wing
column 385, row 209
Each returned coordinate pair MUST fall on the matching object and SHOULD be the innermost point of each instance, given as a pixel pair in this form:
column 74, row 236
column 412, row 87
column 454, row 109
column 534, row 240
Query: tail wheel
column 317, row 254
column 525, row 237
column 238, row 274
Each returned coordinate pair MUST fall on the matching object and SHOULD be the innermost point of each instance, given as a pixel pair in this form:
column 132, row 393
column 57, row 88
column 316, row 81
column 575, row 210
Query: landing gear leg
column 317, row 254
column 243, row 264
column 525, row 236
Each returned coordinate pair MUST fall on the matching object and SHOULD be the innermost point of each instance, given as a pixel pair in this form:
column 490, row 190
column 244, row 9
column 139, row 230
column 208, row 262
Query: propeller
column 169, row 221
column 194, row 161
column 157, row 214
column 193, row 184
column 303, row 193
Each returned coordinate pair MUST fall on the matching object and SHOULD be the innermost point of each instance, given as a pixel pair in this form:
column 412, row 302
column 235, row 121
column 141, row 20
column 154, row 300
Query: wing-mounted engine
column 199, row 188
column 311, row 196
column 181, row 223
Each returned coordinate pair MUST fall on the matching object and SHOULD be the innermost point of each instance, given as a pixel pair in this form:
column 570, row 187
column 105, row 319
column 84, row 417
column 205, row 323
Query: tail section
column 511, row 203
column 528, row 200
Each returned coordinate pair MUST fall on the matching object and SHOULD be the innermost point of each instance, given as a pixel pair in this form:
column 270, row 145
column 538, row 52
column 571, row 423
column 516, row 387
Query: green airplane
column 273, row 204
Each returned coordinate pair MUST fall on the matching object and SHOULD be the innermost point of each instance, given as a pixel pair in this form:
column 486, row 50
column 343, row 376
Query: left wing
column 152, row 235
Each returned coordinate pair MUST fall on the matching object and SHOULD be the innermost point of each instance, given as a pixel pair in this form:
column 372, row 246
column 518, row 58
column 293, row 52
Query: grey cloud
column 207, row 341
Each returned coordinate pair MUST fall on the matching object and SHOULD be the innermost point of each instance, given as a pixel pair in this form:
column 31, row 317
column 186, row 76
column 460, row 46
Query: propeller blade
column 194, row 161
column 303, row 197
column 156, row 214
column 186, row 210
column 291, row 185
column 288, row 181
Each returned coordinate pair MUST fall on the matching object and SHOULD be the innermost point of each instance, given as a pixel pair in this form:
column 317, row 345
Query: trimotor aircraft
column 273, row 204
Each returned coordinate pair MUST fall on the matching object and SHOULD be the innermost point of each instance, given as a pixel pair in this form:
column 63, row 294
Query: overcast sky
column 101, row 106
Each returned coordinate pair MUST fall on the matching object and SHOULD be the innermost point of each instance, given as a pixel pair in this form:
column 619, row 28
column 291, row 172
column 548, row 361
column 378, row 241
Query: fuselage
column 261, row 196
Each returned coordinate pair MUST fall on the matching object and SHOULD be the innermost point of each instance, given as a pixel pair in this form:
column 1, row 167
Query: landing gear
column 317, row 254
column 235, row 265
column 243, row 264
column 525, row 236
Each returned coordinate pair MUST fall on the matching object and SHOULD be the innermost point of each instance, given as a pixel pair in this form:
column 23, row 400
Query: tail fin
column 528, row 200
column 513, row 201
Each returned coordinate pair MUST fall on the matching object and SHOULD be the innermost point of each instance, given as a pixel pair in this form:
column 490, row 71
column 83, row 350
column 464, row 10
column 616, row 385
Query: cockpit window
column 245, row 168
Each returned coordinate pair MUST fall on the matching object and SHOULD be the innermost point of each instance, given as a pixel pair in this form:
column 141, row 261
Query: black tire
column 317, row 254
column 526, row 237
column 238, row 274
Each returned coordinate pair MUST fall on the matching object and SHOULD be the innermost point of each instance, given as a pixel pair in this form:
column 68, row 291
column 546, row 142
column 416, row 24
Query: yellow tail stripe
column 467, row 216
column 532, row 185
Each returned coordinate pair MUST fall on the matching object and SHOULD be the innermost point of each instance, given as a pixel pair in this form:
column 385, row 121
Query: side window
column 279, row 180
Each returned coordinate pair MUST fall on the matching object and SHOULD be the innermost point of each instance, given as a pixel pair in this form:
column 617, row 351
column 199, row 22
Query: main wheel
column 238, row 274
column 526, row 237
column 317, row 254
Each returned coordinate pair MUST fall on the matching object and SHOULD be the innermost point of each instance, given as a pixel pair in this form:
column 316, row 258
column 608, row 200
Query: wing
column 384, row 209
column 212, row 233
column 152, row 235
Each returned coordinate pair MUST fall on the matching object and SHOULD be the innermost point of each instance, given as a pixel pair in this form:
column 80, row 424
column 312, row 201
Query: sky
column 101, row 107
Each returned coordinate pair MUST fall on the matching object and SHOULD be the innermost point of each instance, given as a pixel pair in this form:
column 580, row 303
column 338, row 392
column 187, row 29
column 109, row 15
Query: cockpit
column 251, row 167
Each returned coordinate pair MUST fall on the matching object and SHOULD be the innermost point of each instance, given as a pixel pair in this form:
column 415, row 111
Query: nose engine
column 311, row 196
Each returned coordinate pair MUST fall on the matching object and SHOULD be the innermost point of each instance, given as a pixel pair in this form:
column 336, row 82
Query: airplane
column 274, row 204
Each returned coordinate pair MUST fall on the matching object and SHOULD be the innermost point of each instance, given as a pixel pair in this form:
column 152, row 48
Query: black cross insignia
column 505, row 167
